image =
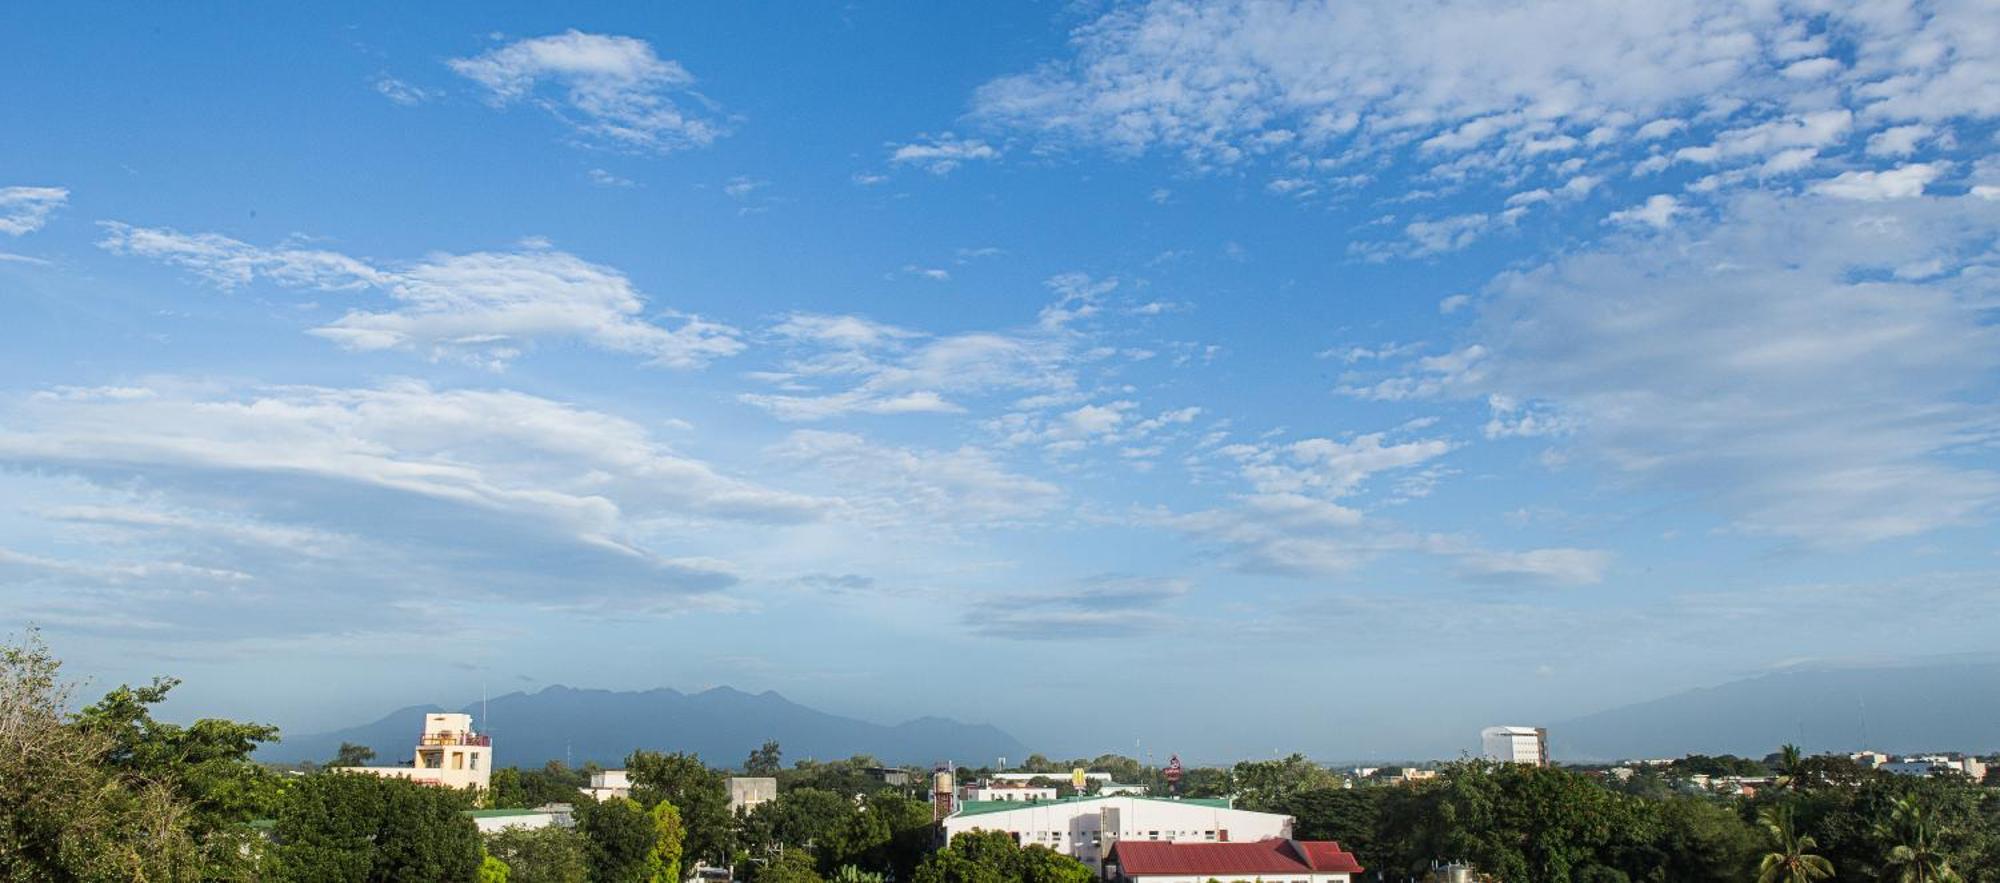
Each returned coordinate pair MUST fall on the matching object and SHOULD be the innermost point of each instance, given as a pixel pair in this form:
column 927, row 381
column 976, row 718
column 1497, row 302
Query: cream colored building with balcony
column 448, row 754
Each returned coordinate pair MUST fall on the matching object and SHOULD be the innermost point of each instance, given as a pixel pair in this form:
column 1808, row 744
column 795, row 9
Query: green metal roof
column 982, row 807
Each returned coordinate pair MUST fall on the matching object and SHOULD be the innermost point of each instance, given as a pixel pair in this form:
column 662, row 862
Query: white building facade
column 606, row 784
column 448, row 754
column 1508, row 744
column 1086, row 828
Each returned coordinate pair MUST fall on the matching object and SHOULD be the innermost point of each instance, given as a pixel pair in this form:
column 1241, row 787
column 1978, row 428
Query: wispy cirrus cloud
column 360, row 492
column 483, row 307
column 613, row 90
column 24, row 210
column 1808, row 367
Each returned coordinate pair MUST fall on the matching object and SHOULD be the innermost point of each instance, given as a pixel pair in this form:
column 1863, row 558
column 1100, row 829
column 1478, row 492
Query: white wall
column 1086, row 829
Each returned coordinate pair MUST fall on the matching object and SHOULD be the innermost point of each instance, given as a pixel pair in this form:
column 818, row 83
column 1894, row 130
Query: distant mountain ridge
column 1907, row 708
column 722, row 725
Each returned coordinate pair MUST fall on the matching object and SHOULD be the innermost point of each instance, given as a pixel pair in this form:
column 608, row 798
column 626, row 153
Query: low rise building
column 552, row 815
column 1086, row 828
column 448, row 754
column 1936, row 765
column 748, row 792
column 606, row 784
column 1290, row 861
column 1014, row 792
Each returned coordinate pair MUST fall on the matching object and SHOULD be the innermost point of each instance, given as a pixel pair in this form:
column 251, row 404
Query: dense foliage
column 109, row 793
column 338, row 827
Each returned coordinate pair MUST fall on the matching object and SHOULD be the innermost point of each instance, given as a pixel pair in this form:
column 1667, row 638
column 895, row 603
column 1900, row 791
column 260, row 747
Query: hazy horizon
column 1236, row 378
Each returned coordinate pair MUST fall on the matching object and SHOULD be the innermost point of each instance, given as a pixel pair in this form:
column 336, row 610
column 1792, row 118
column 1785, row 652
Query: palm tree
column 1915, row 855
column 1789, row 758
column 1791, row 859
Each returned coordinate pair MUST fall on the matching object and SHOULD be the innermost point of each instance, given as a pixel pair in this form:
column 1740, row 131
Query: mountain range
column 722, row 725
column 1898, row 709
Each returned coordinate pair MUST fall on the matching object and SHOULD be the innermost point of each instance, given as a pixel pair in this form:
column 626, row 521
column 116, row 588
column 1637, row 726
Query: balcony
column 449, row 738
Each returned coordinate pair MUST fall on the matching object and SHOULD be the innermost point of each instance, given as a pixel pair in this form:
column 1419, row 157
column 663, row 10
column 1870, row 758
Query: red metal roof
column 1137, row 858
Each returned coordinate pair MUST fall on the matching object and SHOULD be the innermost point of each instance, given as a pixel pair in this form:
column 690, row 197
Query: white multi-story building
column 1085, row 828
column 1528, row 745
column 606, row 784
column 448, row 754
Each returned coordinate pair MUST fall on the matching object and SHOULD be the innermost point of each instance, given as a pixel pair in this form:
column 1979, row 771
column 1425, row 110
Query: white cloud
column 1778, row 364
column 604, row 178
column 402, row 93
column 916, row 487
column 331, row 494
column 481, row 307
column 613, row 90
column 941, row 154
column 904, row 372
column 1658, row 212
column 1902, row 182
column 24, row 210
column 1218, row 80
column 1899, row 140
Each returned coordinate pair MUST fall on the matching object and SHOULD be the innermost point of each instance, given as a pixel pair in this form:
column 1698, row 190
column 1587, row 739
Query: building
column 1100, row 778
column 551, row 815
column 606, row 784
column 1010, row 791
column 1290, row 861
column 1086, row 828
column 1936, row 765
column 747, row 792
column 889, row 775
column 1515, row 745
column 448, row 754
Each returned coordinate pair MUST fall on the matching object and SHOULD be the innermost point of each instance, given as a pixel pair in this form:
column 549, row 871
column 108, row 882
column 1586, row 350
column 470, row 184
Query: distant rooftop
column 981, row 807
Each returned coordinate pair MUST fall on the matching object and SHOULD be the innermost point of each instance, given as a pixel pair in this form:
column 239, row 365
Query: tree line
column 110, row 793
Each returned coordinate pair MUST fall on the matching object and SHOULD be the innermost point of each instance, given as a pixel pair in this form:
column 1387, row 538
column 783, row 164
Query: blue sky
column 1223, row 378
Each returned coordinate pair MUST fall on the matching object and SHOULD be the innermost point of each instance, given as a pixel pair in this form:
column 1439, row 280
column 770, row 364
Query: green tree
column 767, row 760
column 1788, row 763
column 1347, row 815
column 789, row 866
column 349, row 828
column 663, row 863
column 351, row 754
column 206, row 763
column 697, row 791
column 491, row 870
column 542, row 855
column 1263, row 784
column 621, row 839
column 1916, row 852
column 1792, row 857
column 993, row 857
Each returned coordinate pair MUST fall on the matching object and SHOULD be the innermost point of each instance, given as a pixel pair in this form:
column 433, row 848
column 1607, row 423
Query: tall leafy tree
column 621, row 839
column 1792, row 857
column 351, row 754
column 767, row 760
column 353, row 828
column 698, row 792
column 993, row 857
column 207, row 763
column 1916, row 852
column 542, row 855
column 663, row 863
